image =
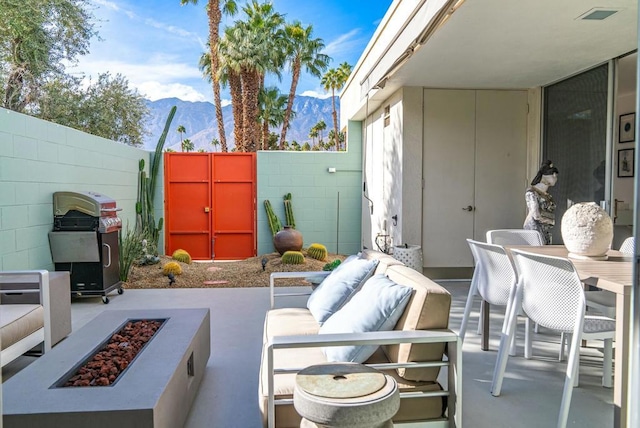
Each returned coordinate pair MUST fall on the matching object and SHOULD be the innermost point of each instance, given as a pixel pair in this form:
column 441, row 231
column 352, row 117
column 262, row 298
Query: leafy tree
column 214, row 14
column 107, row 107
column 306, row 147
column 36, row 38
column 181, row 130
column 302, row 50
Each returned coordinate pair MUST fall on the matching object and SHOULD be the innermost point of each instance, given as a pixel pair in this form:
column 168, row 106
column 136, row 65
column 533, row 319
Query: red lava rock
column 104, row 367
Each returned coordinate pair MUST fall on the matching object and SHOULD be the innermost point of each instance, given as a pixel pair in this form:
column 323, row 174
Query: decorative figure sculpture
column 540, row 205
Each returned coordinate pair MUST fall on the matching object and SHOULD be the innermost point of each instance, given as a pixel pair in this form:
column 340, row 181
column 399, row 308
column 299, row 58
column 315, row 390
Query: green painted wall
column 314, row 193
column 38, row 158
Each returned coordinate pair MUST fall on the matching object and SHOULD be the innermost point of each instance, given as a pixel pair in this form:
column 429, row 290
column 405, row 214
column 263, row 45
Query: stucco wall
column 393, row 170
column 314, row 193
column 38, row 158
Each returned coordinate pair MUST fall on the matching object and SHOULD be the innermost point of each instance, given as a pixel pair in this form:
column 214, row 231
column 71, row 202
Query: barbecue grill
column 84, row 241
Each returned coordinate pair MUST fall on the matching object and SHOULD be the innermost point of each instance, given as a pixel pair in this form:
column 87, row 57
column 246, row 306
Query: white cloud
column 158, row 69
column 343, row 44
column 316, row 94
column 156, row 90
column 225, row 103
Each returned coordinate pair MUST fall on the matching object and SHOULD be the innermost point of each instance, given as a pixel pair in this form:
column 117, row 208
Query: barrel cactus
column 293, row 258
column 317, row 251
column 171, row 267
column 181, row 256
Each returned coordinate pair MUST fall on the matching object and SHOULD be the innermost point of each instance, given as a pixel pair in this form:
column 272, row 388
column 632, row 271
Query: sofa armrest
column 54, row 294
column 289, row 275
column 453, row 362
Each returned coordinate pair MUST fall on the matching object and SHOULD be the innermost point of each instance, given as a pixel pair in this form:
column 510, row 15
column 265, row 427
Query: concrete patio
column 228, row 395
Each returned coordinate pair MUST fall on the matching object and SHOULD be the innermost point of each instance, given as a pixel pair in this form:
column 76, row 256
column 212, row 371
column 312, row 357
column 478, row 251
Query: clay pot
column 587, row 231
column 288, row 239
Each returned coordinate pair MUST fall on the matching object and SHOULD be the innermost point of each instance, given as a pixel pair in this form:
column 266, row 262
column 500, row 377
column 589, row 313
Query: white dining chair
column 514, row 237
column 493, row 278
column 550, row 293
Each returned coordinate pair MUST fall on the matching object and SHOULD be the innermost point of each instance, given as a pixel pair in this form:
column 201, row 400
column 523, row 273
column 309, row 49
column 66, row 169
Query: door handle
column 468, row 208
column 108, row 255
column 206, row 209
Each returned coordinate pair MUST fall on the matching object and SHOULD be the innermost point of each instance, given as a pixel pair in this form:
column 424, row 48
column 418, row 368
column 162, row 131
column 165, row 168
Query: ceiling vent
column 598, row 14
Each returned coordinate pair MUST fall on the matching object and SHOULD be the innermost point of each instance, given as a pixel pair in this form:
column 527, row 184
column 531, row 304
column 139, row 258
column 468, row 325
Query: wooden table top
column 614, row 274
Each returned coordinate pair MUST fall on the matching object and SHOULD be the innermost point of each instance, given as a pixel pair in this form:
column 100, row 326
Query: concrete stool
column 345, row 395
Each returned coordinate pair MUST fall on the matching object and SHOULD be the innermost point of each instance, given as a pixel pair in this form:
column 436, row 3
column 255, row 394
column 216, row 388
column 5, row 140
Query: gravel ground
column 244, row 273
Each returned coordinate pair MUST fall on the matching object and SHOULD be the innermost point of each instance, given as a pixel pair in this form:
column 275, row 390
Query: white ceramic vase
column 587, row 231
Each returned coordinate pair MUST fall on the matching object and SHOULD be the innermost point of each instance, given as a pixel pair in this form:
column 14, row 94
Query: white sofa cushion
column 376, row 307
column 18, row 322
column 338, row 287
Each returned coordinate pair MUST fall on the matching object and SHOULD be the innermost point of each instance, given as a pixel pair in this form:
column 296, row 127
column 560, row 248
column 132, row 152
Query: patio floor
column 228, row 395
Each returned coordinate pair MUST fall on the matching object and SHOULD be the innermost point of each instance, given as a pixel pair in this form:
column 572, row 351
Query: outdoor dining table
column 615, row 275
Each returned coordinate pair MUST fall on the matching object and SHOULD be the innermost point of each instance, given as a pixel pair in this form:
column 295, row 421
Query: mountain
column 199, row 120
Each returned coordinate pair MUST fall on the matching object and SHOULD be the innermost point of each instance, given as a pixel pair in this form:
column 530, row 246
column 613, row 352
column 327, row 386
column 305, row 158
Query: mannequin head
column 549, row 179
column 549, row 172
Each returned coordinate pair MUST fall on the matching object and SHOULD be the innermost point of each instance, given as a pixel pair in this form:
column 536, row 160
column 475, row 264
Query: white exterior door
column 474, row 169
column 448, row 171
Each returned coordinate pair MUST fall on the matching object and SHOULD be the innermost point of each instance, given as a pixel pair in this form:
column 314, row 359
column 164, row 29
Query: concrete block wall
column 38, row 158
column 314, row 192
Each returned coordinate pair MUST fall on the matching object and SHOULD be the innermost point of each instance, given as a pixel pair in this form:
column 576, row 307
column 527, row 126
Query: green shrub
column 293, row 258
column 317, row 251
column 171, row 267
column 181, row 256
column 332, row 265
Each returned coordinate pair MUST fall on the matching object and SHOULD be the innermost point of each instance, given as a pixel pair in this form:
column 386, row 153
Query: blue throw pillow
column 376, row 307
column 338, row 287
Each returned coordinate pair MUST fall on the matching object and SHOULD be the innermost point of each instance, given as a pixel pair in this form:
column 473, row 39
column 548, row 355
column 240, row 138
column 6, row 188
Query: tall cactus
column 145, row 220
column 274, row 221
column 288, row 211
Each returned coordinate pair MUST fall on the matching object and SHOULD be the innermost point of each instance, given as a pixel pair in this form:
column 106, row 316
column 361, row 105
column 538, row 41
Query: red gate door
column 187, row 178
column 234, row 205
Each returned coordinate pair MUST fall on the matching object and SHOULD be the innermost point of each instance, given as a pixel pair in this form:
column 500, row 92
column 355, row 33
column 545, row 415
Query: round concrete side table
column 345, row 395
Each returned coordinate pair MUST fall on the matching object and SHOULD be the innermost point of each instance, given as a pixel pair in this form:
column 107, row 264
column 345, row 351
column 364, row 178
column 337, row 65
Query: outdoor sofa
column 35, row 308
column 413, row 351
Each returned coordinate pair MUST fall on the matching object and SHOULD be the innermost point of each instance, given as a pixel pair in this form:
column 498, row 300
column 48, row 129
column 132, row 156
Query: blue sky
column 156, row 44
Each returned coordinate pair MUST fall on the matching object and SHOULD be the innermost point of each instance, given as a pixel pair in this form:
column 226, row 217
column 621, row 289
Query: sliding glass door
column 575, row 139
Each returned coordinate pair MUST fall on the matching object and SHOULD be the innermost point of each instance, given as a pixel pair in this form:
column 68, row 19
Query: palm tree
column 302, row 51
column 228, row 75
column 215, row 143
column 313, row 133
column 214, row 13
column 321, row 126
column 254, row 55
column 334, row 80
column 187, row 145
column 272, row 107
column 332, row 140
column 181, row 129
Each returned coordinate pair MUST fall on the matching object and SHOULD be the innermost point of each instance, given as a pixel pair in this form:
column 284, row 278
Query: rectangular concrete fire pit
column 157, row 390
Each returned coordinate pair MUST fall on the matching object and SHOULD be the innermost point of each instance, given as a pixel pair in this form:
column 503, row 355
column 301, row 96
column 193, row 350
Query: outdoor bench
column 413, row 353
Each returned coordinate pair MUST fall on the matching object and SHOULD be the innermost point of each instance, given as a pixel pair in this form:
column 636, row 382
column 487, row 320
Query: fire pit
column 156, row 389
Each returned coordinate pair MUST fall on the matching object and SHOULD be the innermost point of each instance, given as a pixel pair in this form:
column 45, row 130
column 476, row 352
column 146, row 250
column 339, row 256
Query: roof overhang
column 486, row 44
